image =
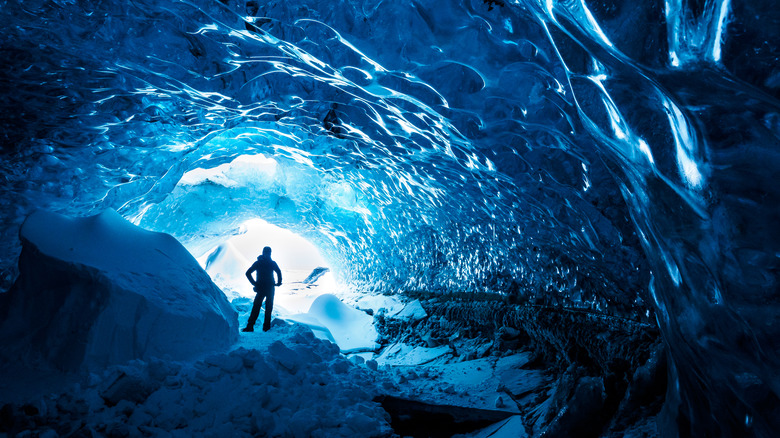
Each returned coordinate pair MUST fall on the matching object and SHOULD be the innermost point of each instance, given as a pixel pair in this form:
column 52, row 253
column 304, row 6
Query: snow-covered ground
column 434, row 375
column 284, row 382
column 289, row 384
column 317, row 372
column 437, row 375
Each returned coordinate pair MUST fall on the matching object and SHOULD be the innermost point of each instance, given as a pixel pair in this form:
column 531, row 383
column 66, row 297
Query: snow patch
column 394, row 307
column 401, row 354
column 329, row 318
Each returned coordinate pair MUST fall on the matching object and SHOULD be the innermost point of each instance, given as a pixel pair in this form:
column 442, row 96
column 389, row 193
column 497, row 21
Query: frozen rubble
column 99, row 290
column 489, row 383
column 294, row 385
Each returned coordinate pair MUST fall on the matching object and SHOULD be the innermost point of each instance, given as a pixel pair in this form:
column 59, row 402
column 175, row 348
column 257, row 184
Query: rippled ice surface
column 609, row 155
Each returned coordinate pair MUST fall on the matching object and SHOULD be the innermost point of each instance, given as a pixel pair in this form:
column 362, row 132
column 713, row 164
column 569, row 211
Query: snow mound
column 98, row 290
column 329, row 318
column 298, row 386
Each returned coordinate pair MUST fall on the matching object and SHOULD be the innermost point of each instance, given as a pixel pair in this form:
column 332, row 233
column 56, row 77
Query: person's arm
column 278, row 274
column 249, row 274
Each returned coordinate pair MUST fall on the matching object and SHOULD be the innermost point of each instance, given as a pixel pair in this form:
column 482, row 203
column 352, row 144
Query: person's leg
column 269, row 307
column 250, row 324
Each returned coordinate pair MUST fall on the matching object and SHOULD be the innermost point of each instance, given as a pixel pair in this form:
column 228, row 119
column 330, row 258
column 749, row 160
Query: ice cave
column 494, row 218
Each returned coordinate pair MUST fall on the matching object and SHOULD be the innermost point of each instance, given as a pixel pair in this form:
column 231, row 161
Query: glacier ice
column 97, row 291
column 613, row 156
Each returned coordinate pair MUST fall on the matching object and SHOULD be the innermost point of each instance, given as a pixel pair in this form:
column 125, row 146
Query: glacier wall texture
column 599, row 154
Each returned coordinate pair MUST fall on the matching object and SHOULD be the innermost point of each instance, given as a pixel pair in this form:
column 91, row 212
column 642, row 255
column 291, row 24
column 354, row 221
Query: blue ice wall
column 368, row 108
column 612, row 155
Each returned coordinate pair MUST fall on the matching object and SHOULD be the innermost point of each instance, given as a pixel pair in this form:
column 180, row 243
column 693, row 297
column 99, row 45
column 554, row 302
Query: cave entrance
column 306, row 274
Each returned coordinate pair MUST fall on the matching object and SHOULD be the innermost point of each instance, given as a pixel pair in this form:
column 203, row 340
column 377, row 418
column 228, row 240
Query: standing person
column 264, row 288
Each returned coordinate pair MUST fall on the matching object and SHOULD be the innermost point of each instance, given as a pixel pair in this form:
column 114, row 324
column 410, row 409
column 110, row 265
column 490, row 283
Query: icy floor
column 284, row 382
column 293, row 380
column 292, row 384
column 437, row 375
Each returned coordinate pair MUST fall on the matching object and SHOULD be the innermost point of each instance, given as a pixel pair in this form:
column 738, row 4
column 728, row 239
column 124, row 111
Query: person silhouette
column 264, row 288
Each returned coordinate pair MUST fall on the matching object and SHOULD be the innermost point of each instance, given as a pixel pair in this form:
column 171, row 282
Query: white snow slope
column 99, row 290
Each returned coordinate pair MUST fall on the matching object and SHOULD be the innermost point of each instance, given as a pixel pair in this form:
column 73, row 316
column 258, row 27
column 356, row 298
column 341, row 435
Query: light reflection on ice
column 297, row 258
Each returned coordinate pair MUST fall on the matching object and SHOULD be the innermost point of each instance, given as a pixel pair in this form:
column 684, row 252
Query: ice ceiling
column 611, row 155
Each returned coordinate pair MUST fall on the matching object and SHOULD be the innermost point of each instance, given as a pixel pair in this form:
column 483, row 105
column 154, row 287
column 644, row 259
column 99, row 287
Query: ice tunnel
column 591, row 164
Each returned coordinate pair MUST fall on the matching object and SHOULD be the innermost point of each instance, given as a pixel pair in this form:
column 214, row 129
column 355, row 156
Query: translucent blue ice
column 609, row 155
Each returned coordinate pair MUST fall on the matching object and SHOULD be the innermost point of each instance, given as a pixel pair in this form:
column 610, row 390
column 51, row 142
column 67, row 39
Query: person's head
column 267, row 251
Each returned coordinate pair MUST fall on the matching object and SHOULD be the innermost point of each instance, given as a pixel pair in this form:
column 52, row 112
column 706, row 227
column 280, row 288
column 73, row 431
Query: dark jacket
column 265, row 267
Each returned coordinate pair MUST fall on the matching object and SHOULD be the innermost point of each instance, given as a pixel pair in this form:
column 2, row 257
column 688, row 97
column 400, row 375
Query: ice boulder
column 99, row 290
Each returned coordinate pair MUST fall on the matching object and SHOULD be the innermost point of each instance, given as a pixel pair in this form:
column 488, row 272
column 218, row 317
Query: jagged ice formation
column 607, row 155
